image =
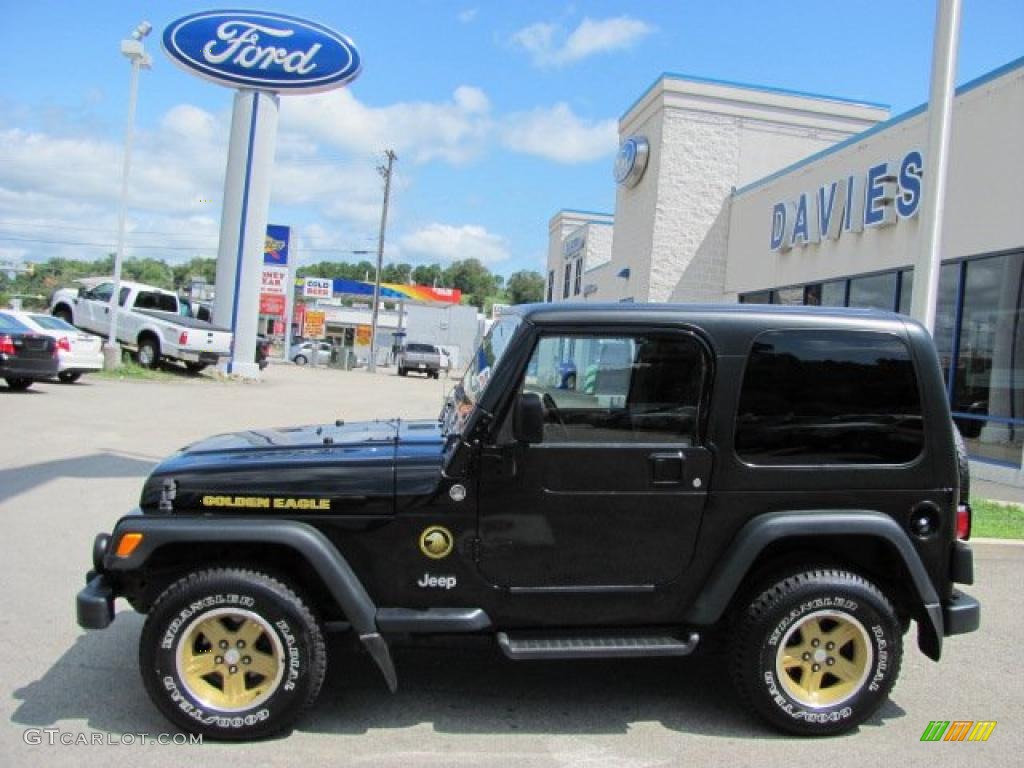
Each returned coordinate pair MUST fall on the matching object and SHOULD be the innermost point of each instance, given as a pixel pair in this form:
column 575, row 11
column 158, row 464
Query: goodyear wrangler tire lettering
column 817, row 653
column 231, row 654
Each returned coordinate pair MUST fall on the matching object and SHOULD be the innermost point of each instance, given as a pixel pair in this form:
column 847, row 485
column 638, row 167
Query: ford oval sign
column 631, row 161
column 265, row 51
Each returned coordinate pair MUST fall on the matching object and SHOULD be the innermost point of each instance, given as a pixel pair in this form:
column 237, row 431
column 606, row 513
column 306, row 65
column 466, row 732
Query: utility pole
column 385, row 171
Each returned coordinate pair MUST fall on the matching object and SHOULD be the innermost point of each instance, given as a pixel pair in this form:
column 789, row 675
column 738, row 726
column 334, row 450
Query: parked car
column 25, row 355
column 302, row 353
column 78, row 352
column 152, row 322
column 422, row 358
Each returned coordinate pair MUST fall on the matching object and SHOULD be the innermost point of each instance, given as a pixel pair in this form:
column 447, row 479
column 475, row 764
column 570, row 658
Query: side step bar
column 526, row 647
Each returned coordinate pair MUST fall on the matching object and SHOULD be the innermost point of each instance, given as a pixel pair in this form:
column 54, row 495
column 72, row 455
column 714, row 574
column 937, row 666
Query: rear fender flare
column 731, row 569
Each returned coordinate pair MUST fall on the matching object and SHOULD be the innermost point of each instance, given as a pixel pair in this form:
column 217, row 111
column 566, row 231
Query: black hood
column 308, row 470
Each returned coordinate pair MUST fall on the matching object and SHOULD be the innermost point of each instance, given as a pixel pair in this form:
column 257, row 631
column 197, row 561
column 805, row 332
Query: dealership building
column 738, row 193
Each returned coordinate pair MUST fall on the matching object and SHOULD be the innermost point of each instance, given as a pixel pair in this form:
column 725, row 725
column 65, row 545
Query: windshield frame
column 464, row 400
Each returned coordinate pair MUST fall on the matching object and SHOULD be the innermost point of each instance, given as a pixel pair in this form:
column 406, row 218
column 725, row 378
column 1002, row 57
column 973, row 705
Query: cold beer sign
column 888, row 192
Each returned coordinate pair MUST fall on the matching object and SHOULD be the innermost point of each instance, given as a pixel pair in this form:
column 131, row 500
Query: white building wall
column 985, row 188
column 705, row 139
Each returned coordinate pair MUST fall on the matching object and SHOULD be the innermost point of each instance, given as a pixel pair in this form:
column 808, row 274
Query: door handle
column 667, row 468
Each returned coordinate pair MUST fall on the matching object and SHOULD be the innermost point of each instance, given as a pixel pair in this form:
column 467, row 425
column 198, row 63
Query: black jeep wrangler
column 785, row 483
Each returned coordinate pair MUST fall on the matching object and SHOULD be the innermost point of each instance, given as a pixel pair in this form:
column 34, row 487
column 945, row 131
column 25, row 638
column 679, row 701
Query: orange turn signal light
column 128, row 544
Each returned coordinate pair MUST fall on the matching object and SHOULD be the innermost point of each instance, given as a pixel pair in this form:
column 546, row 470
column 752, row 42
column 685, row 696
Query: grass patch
column 996, row 520
column 132, row 371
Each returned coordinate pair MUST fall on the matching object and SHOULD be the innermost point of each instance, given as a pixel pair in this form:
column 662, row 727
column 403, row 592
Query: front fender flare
column 332, row 568
column 730, row 570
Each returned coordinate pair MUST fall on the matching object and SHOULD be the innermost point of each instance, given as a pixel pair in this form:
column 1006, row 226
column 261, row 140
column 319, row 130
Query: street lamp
column 134, row 51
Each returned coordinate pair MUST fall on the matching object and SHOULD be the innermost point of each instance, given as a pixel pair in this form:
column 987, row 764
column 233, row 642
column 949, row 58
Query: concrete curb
column 1005, row 542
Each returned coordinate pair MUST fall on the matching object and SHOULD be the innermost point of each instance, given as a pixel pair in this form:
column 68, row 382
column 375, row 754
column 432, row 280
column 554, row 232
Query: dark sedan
column 25, row 356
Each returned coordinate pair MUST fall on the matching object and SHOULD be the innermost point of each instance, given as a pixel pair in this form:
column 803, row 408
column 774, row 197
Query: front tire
column 231, row 654
column 817, row 653
column 300, row 360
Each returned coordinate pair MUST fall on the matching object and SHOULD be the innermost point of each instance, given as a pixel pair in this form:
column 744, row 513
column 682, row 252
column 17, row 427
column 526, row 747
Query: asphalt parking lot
column 72, row 460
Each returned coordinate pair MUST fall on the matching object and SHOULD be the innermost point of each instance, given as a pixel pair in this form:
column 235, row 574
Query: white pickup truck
column 152, row 321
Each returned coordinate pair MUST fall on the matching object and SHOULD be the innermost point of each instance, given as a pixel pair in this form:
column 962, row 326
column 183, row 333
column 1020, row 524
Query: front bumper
column 95, row 603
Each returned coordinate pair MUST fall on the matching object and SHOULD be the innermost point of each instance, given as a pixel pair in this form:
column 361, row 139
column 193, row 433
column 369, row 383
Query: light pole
column 134, row 51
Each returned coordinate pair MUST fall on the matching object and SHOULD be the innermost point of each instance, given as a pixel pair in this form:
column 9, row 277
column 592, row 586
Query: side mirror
column 528, row 419
column 81, row 291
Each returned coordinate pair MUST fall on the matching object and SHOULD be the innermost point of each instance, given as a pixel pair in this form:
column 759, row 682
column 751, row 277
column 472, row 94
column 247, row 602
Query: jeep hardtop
column 784, row 483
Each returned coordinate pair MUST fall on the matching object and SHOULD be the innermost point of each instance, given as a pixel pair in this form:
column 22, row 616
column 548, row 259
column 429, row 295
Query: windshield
column 467, row 392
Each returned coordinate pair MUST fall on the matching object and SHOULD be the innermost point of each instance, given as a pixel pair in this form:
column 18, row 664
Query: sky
column 501, row 114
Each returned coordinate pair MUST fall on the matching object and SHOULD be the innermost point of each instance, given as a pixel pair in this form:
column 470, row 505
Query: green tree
column 427, row 274
column 524, row 287
column 396, row 273
column 473, row 279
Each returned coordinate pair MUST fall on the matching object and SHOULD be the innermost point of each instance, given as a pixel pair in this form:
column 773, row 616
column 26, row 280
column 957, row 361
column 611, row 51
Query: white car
column 78, row 352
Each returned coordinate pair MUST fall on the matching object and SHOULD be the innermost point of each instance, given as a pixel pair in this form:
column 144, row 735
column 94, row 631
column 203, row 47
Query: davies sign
column 267, row 51
column 888, row 192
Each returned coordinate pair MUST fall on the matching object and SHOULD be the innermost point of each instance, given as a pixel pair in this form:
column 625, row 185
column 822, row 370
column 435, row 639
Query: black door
column 614, row 493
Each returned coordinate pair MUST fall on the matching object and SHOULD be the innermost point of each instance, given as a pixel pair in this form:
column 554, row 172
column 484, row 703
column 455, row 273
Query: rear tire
column 69, row 377
column 232, row 654
column 18, row 385
column 402, row 371
column 195, row 368
column 817, row 653
column 149, row 352
column 63, row 313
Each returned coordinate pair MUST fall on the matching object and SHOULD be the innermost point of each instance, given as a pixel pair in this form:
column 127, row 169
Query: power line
column 149, row 246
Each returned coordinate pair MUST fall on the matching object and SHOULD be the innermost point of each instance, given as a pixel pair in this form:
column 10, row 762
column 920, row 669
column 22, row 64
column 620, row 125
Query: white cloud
column 453, row 131
column 468, row 15
column 558, row 134
column 546, row 46
column 447, row 243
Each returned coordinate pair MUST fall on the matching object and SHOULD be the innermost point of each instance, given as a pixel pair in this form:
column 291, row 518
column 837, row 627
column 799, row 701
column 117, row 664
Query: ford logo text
column 266, row 51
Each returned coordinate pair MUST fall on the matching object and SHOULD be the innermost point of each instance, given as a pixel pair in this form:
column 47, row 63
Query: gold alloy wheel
column 230, row 659
column 824, row 659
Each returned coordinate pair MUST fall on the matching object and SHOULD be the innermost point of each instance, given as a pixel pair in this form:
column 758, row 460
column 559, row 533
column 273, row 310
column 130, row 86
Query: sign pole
column 940, row 118
column 243, row 226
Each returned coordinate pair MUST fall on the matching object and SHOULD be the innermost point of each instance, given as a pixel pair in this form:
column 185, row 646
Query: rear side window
column 159, row 301
column 829, row 397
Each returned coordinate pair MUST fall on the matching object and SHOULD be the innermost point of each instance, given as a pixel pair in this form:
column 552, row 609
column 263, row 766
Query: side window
column 829, row 397
column 101, row 292
column 613, row 389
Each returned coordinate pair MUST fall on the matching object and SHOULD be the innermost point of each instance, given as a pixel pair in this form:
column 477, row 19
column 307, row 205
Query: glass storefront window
column 812, row 295
column 906, row 291
column 789, row 296
column 833, row 294
column 758, row 297
column 875, row 291
column 990, row 370
column 945, row 315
